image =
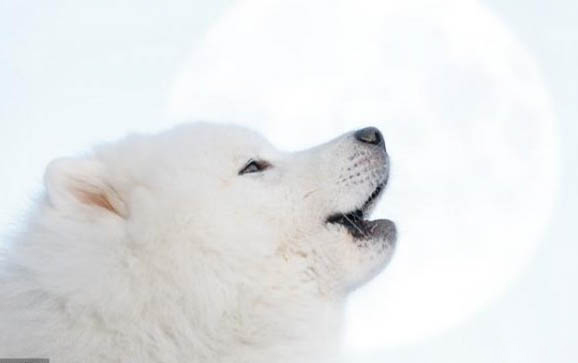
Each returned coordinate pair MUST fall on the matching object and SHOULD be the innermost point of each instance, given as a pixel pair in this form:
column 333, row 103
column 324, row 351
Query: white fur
column 189, row 261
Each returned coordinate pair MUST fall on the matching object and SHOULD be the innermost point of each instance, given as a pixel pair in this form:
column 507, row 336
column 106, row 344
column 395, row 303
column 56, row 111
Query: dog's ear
column 82, row 183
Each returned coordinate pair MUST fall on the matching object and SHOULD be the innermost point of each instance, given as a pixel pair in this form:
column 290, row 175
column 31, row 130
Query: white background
column 73, row 74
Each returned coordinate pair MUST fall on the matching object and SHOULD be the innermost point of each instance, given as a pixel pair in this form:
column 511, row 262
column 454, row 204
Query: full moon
column 466, row 120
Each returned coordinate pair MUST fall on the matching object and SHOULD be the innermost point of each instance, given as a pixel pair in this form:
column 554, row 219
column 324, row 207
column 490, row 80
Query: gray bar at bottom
column 25, row 360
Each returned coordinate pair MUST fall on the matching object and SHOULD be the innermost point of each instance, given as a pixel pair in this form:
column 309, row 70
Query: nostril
column 370, row 135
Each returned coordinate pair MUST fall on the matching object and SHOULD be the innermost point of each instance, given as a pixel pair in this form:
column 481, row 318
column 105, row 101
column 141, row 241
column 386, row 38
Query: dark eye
column 254, row 166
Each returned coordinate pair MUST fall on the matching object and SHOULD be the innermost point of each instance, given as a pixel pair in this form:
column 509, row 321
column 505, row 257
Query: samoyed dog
column 200, row 244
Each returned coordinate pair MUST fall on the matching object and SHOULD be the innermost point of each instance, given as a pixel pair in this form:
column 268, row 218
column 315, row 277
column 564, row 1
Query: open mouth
column 358, row 226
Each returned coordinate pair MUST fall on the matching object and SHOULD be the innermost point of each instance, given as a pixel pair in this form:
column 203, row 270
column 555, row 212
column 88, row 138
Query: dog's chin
column 362, row 229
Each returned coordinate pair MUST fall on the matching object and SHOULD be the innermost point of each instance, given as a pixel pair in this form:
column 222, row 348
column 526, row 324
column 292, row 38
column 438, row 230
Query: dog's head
column 220, row 202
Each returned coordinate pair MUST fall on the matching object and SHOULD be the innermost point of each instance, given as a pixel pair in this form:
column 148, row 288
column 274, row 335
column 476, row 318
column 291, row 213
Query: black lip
column 354, row 221
column 373, row 196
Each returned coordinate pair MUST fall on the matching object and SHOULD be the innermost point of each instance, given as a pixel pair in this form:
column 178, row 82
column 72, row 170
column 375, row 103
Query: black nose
column 370, row 135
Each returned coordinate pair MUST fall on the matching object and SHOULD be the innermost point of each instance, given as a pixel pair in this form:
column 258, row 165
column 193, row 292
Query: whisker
column 310, row 192
column 355, row 225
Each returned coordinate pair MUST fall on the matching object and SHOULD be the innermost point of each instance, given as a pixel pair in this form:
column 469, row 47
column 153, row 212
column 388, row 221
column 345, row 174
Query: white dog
column 199, row 244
